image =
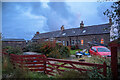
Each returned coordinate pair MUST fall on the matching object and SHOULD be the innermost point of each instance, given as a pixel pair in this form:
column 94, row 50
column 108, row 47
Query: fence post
column 104, row 69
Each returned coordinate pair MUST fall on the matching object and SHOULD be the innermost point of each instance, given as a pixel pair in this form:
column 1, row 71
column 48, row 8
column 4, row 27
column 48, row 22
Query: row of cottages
column 14, row 43
column 80, row 36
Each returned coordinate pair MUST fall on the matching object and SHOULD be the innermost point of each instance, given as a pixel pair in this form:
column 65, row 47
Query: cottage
column 80, row 36
column 14, row 43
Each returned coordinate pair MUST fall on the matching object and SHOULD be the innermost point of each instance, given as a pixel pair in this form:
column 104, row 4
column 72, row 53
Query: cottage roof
column 12, row 39
column 88, row 30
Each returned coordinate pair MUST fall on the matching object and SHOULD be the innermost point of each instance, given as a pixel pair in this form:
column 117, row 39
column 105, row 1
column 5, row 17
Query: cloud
column 102, row 7
column 61, row 9
column 23, row 19
column 18, row 22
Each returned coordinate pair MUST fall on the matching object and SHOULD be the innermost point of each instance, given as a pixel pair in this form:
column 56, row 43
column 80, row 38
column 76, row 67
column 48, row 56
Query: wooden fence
column 52, row 66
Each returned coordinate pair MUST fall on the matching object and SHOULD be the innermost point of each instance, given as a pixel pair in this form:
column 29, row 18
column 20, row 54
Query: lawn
column 92, row 59
column 73, row 51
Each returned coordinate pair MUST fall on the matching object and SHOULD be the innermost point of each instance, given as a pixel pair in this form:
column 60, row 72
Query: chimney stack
column 37, row 32
column 62, row 28
column 110, row 20
column 81, row 24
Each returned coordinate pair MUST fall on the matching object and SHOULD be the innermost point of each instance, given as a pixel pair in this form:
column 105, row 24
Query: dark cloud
column 61, row 9
column 55, row 15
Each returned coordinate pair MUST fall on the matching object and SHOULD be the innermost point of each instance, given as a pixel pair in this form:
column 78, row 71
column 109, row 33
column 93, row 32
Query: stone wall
column 76, row 40
column 21, row 44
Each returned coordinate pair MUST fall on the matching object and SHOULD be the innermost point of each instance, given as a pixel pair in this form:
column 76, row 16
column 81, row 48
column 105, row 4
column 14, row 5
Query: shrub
column 33, row 47
column 50, row 49
column 47, row 47
column 55, row 50
column 11, row 50
column 95, row 74
column 64, row 51
column 73, row 47
column 55, row 54
column 6, row 65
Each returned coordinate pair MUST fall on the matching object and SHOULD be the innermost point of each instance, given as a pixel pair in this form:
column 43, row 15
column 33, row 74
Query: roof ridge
column 76, row 28
column 12, row 38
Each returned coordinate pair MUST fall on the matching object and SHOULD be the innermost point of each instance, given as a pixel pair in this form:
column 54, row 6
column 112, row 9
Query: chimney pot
column 37, row 32
column 81, row 24
column 110, row 20
column 62, row 28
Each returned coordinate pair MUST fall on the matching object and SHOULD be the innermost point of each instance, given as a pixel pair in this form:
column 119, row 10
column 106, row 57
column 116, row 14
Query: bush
column 50, row 49
column 55, row 50
column 74, row 47
column 33, row 47
column 47, row 47
column 54, row 54
column 6, row 65
column 64, row 51
column 95, row 74
column 11, row 50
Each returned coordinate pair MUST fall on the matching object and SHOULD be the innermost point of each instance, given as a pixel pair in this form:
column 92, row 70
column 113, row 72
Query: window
column 63, row 42
column 59, row 41
column 72, row 42
column 20, row 42
column 95, row 49
column 34, row 40
column 92, row 48
column 46, row 40
column 9, row 42
column 52, row 39
column 102, row 41
column 67, row 43
column 103, row 50
column 76, row 41
column 81, row 42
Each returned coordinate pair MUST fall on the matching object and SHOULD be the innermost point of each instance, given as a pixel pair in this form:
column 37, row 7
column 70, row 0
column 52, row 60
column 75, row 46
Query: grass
column 94, row 73
column 72, row 74
column 96, row 59
column 74, row 51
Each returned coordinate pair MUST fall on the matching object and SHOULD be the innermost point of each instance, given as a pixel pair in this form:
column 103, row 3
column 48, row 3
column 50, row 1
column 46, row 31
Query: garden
column 57, row 51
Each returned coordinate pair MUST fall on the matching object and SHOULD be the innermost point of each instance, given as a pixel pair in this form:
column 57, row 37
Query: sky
column 24, row 19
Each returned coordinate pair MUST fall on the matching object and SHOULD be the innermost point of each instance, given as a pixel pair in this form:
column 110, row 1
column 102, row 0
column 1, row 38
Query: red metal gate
column 51, row 66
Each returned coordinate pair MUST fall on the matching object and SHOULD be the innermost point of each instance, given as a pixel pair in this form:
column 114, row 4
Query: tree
column 114, row 13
